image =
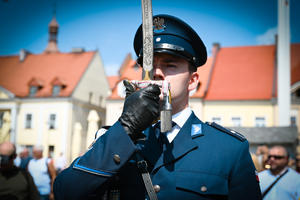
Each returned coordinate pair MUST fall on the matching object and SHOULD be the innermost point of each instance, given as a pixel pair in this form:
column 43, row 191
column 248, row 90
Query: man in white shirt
column 288, row 186
column 43, row 173
column 60, row 163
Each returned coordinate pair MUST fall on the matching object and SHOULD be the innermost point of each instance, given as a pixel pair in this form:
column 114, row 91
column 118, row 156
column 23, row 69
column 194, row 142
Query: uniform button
column 203, row 189
column 156, row 188
column 117, row 158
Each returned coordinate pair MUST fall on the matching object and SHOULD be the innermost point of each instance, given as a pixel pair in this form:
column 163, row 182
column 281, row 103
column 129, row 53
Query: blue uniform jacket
column 202, row 162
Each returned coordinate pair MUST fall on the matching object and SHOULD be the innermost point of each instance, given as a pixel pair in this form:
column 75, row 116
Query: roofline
column 295, row 86
column 7, row 92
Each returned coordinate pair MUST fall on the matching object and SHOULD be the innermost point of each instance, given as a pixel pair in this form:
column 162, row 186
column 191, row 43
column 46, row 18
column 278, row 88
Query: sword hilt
column 166, row 109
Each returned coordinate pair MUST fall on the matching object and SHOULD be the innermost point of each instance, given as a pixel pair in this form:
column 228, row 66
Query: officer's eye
column 171, row 66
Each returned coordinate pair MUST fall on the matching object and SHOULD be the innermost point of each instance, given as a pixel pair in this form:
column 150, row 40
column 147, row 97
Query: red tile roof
column 44, row 69
column 243, row 73
column 247, row 73
column 113, row 80
column 295, row 63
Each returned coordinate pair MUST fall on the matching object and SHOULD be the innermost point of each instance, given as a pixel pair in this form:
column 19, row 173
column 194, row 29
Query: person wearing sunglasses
column 280, row 181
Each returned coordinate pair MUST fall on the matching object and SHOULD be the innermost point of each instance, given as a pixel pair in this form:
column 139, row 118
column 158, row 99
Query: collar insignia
column 158, row 25
column 196, row 130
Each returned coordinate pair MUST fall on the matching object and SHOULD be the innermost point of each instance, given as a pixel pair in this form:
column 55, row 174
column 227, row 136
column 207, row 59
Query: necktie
column 162, row 139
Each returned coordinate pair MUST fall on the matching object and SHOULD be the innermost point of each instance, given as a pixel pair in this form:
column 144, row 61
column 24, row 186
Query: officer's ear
column 194, row 80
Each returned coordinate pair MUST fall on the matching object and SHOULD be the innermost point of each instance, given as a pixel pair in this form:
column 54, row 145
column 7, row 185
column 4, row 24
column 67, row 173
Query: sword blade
column 147, row 40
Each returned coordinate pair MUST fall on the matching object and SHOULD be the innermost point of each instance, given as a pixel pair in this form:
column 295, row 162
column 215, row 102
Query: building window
column 55, row 90
column 216, row 120
column 293, row 121
column 1, row 119
column 236, row 121
column 296, row 94
column 28, row 121
column 52, row 121
column 260, row 122
column 90, row 97
column 100, row 101
column 51, row 151
column 32, row 90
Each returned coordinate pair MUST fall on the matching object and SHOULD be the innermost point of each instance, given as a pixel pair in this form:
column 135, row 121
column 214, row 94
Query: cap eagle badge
column 158, row 25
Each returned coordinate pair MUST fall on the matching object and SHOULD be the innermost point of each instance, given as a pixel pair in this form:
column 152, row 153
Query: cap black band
column 172, row 47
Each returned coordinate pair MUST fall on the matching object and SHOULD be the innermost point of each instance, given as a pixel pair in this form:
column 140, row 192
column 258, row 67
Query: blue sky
column 109, row 26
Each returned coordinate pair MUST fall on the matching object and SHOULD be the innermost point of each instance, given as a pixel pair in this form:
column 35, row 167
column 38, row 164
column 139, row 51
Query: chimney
column 216, row 48
column 77, row 50
column 215, row 51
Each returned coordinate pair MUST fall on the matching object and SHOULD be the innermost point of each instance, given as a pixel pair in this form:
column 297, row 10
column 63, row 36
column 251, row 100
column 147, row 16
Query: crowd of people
column 279, row 175
column 26, row 177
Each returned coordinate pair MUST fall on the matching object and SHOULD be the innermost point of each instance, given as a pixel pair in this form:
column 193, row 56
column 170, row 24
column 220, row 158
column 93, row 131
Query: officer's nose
column 158, row 73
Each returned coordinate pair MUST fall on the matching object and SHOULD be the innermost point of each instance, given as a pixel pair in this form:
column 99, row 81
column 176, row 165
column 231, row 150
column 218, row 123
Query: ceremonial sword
column 147, row 74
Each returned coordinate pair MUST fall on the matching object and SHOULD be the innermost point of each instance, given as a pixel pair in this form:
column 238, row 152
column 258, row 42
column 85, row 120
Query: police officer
column 201, row 161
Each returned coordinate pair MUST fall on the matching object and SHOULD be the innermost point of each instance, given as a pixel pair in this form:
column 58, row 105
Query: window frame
column 53, row 90
column 262, row 117
column 54, row 123
column 26, row 122
column 30, row 90
column 220, row 119
column 240, row 121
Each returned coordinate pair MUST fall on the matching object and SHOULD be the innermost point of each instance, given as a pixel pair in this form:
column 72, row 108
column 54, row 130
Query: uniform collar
column 181, row 117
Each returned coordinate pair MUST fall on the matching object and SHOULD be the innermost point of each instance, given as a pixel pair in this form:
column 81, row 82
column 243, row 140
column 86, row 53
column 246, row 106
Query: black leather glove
column 140, row 109
column 128, row 88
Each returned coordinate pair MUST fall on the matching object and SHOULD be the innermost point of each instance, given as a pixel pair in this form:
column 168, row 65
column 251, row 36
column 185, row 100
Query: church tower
column 53, row 30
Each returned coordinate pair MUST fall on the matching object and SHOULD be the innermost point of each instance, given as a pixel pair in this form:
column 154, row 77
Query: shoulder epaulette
column 227, row 130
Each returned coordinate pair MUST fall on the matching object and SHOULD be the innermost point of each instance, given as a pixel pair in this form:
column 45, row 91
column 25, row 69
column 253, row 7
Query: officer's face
column 175, row 70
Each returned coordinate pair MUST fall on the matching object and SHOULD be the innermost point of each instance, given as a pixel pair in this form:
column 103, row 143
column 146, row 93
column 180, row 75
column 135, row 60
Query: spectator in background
column 15, row 183
column 279, row 182
column 43, row 173
column 262, row 153
column 255, row 162
column 25, row 158
column 298, row 163
column 60, row 163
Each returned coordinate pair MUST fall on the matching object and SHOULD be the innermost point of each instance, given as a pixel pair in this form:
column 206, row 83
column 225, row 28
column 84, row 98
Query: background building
column 52, row 98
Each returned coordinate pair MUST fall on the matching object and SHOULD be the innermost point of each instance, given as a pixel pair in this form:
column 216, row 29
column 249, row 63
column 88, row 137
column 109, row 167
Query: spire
column 53, row 30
